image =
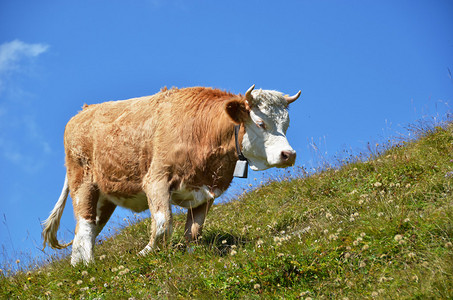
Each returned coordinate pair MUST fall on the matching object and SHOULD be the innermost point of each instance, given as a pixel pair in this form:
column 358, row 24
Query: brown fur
column 177, row 136
column 187, row 130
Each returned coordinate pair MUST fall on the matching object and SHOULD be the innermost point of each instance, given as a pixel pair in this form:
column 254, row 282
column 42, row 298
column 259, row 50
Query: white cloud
column 12, row 52
column 21, row 141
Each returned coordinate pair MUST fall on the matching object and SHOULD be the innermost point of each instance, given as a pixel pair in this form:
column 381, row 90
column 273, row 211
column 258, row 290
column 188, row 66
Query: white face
column 264, row 143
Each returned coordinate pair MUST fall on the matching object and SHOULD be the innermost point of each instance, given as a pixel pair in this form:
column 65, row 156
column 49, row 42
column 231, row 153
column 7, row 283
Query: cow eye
column 261, row 124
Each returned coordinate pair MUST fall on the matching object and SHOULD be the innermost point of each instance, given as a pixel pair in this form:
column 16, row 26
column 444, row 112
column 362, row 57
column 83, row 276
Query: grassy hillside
column 376, row 229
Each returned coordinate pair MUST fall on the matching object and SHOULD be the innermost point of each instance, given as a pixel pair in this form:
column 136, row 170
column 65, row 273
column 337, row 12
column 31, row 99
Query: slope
column 380, row 228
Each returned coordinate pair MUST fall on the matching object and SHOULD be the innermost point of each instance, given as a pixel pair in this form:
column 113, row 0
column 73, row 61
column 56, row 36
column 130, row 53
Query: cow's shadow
column 222, row 243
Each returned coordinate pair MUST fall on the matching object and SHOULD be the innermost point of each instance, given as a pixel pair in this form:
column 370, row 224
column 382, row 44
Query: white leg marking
column 145, row 251
column 82, row 247
column 159, row 218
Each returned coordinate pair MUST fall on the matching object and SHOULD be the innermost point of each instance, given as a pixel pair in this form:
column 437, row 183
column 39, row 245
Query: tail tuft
column 51, row 224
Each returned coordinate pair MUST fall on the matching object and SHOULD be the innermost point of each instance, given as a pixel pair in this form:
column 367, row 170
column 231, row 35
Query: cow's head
column 264, row 114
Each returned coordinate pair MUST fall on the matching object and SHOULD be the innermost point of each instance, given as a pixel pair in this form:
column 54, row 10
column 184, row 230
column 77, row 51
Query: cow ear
column 237, row 110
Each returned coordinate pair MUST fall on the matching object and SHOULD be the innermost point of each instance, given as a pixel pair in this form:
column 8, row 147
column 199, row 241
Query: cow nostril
column 284, row 155
column 288, row 156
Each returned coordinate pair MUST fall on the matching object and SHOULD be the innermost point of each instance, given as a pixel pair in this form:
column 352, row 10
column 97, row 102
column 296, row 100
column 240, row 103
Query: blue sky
column 366, row 69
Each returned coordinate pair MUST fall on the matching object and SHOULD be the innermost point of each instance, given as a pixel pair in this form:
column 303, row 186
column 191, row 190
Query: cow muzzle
column 287, row 158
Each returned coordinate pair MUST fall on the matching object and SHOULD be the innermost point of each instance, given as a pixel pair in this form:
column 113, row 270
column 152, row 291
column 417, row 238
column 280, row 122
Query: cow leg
column 104, row 211
column 161, row 217
column 85, row 204
column 195, row 220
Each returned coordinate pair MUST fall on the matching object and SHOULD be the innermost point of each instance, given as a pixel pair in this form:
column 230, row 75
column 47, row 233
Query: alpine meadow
column 375, row 227
column 226, row 149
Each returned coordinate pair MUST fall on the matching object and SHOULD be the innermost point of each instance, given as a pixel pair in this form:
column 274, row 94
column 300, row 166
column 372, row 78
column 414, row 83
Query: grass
column 380, row 228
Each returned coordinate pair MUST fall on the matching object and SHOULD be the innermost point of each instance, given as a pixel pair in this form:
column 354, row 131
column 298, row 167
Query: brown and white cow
column 176, row 147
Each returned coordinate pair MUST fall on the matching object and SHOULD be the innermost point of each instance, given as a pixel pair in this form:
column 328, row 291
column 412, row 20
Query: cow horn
column 248, row 94
column 292, row 98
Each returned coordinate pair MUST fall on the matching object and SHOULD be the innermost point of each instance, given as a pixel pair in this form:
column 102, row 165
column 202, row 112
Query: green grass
column 376, row 229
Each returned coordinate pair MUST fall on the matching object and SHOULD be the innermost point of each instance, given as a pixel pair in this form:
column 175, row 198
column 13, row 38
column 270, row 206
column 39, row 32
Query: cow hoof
column 145, row 251
column 77, row 261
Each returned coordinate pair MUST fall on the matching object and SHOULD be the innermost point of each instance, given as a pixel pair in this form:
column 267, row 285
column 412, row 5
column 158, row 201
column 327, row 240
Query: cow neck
column 241, row 168
column 236, row 138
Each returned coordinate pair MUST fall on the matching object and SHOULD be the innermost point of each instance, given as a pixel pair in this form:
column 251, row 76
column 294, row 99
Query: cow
column 176, row 147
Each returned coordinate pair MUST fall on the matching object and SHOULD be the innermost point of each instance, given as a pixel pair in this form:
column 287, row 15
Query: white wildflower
column 398, row 237
column 123, row 272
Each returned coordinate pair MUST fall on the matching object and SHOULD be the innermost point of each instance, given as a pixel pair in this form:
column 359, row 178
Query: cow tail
column 49, row 233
